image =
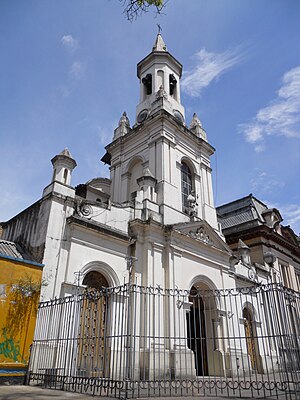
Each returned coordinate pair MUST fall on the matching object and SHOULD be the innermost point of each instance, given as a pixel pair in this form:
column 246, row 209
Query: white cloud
column 69, row 42
column 259, row 148
column 210, row 66
column 77, row 70
column 264, row 183
column 281, row 116
column 64, row 91
column 291, row 213
column 105, row 135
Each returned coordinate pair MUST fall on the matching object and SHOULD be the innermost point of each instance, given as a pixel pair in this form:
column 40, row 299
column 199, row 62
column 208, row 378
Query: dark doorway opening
column 196, row 332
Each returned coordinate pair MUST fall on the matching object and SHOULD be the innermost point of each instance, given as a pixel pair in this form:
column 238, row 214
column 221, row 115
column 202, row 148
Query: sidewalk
column 19, row 392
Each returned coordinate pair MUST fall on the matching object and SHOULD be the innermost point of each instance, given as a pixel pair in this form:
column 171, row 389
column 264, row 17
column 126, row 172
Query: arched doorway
column 251, row 340
column 95, row 280
column 196, row 332
column 93, row 350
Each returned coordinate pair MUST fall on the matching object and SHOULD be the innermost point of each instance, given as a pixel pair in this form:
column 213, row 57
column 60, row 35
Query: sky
column 68, row 72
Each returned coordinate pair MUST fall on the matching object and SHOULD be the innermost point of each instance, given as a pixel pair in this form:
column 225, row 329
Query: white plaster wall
column 115, row 217
column 84, row 254
column 55, row 246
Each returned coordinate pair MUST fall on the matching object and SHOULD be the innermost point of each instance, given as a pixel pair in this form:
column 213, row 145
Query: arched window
column 172, row 84
column 160, row 79
column 186, row 186
column 147, row 82
column 136, row 171
column 65, row 175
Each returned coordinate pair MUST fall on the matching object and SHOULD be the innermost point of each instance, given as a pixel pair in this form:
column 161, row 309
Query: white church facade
column 157, row 207
column 152, row 225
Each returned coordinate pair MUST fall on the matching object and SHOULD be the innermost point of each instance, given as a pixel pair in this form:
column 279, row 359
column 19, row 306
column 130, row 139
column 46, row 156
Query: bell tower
column 159, row 74
column 161, row 165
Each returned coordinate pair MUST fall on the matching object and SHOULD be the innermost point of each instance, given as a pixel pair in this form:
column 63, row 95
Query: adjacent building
column 20, row 286
column 260, row 228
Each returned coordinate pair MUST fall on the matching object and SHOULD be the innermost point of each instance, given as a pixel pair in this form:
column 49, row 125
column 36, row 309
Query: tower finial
column 159, row 44
column 159, row 28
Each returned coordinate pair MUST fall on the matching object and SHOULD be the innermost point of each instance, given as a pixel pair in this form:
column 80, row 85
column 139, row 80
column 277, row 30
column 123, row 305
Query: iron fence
column 134, row 341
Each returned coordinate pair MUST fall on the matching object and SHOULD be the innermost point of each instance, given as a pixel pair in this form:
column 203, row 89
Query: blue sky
column 68, row 71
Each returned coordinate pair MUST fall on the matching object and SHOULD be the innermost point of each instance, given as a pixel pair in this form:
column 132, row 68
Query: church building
column 154, row 219
column 149, row 240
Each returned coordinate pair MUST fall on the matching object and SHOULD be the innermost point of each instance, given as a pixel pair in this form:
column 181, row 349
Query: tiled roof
column 237, row 218
column 11, row 249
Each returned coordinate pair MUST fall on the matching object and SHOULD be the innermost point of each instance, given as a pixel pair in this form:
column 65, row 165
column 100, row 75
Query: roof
column 65, row 152
column 246, row 209
column 239, row 217
column 13, row 251
column 159, row 44
column 159, row 49
column 66, row 157
column 98, row 226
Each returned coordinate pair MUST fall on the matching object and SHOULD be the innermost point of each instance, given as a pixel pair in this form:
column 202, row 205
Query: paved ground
column 19, row 392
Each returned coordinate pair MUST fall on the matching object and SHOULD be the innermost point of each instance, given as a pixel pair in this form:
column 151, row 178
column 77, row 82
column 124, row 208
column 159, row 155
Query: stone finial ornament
column 196, row 127
column 124, row 120
column 195, row 121
column 244, row 252
column 161, row 93
column 123, row 126
column 147, row 173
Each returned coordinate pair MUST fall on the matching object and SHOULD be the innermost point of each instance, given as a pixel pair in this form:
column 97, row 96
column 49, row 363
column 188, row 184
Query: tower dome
column 63, row 165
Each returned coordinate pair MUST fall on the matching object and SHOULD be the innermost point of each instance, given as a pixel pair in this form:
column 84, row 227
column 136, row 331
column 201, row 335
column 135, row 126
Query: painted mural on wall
column 20, row 287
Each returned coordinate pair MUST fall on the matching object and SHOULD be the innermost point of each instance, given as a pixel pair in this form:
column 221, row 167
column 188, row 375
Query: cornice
column 164, row 115
column 264, row 232
column 98, row 227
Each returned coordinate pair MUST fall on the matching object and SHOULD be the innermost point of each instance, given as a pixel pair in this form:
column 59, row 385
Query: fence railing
column 134, row 341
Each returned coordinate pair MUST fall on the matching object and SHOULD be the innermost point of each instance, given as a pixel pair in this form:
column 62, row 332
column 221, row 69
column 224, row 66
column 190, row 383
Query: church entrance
column 95, row 280
column 196, row 332
column 93, row 353
column 251, row 340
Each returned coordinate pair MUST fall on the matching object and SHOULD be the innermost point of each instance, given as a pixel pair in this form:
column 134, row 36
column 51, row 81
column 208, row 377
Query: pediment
column 202, row 232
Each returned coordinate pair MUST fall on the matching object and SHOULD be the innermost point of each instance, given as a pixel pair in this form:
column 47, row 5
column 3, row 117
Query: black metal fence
column 134, row 341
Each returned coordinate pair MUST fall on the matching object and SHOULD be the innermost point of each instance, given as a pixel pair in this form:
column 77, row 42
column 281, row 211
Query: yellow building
column 20, row 284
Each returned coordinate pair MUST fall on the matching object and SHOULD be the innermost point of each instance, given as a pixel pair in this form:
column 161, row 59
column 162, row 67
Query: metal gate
column 134, row 341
